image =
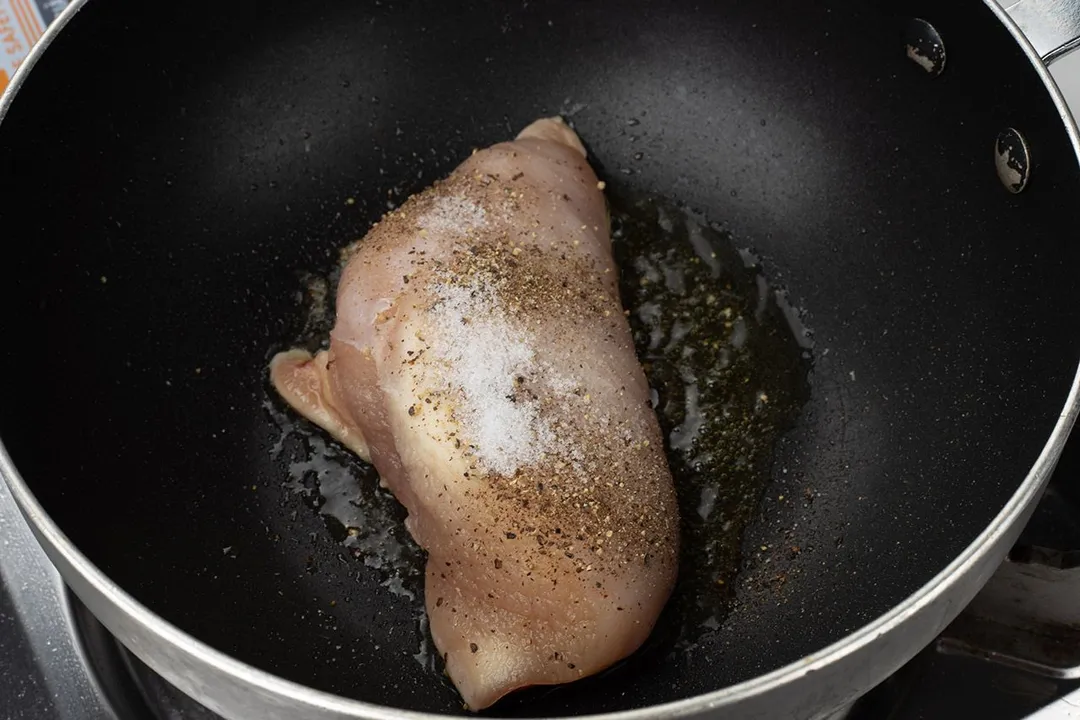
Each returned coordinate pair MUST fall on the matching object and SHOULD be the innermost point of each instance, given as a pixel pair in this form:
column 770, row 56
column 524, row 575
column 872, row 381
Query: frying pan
column 171, row 170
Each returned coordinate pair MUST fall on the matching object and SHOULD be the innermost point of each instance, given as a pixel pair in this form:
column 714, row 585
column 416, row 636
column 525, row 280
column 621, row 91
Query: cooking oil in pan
column 357, row 512
column 727, row 360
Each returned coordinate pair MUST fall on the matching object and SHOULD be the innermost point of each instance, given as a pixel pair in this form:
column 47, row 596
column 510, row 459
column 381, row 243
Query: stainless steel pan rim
column 236, row 689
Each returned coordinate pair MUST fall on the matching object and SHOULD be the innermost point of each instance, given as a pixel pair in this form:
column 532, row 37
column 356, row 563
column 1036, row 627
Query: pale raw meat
column 482, row 362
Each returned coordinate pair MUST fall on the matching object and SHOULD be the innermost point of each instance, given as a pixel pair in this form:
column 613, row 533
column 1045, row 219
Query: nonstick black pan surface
column 178, row 167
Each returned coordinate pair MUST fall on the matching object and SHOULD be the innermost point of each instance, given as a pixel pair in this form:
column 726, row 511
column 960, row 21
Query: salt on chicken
column 482, row 361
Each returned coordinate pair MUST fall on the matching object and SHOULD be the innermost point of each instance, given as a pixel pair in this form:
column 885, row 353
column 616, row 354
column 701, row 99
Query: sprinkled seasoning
column 481, row 353
column 452, row 215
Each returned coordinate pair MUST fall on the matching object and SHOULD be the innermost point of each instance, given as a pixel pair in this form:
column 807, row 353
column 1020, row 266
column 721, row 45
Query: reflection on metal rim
column 832, row 676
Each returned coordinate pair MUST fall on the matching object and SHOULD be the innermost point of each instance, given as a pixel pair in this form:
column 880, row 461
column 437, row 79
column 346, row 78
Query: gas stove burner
column 133, row 690
column 1027, row 616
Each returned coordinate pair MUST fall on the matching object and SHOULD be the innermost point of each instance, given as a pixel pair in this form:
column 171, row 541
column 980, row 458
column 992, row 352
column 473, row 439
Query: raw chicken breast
column 482, row 362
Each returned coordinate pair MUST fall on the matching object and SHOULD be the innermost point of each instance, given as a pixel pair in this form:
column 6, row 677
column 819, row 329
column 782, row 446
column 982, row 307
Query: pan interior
column 160, row 218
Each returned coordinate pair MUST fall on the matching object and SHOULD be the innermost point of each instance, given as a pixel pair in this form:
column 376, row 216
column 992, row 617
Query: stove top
column 1013, row 654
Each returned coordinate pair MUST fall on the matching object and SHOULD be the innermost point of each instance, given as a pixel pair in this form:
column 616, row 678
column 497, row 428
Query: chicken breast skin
column 482, row 361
